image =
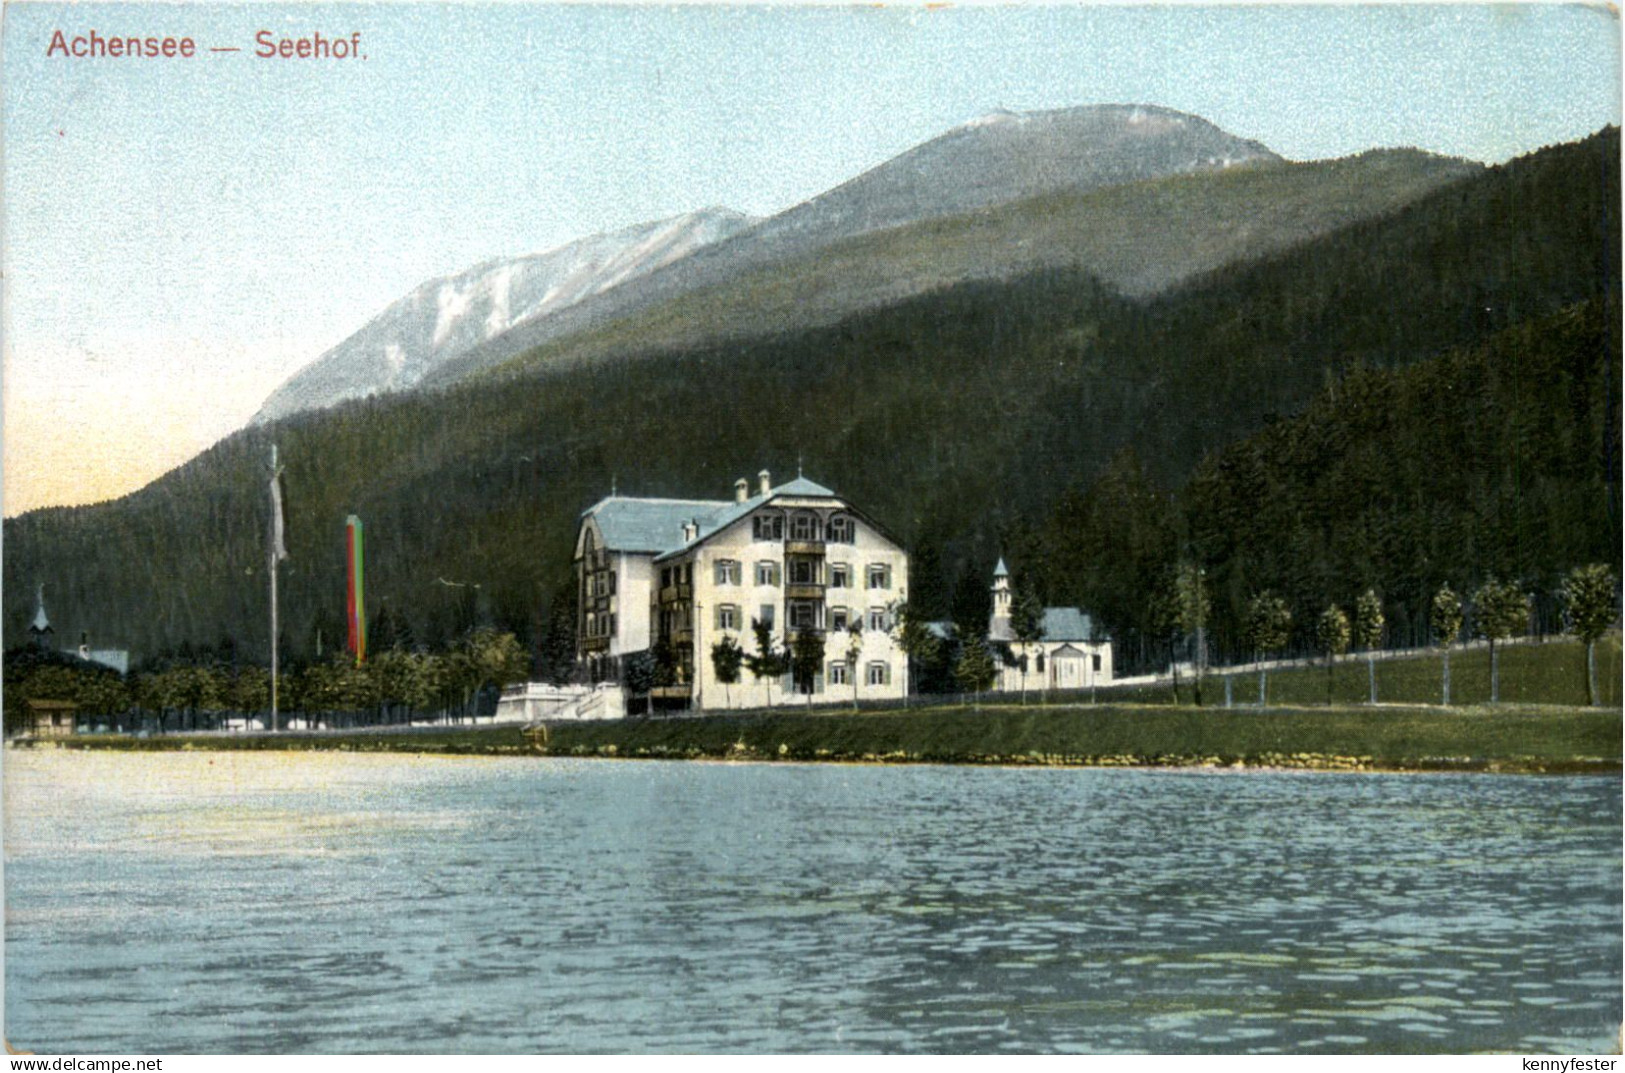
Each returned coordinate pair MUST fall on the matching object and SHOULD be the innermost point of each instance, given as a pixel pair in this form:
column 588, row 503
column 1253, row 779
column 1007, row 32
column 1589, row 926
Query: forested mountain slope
column 1500, row 459
column 960, row 418
column 1140, row 237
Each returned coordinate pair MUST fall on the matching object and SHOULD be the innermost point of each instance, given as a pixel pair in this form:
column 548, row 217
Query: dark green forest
column 1496, row 460
column 1433, row 395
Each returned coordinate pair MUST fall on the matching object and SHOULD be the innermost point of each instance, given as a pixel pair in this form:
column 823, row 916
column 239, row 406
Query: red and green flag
column 355, row 602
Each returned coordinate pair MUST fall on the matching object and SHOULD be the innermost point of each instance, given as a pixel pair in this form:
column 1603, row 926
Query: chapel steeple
column 40, row 629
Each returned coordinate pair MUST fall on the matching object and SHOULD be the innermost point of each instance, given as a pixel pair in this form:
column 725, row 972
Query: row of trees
column 392, row 686
column 1500, row 611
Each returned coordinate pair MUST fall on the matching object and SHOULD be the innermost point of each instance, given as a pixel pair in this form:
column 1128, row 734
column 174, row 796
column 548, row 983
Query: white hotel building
column 797, row 557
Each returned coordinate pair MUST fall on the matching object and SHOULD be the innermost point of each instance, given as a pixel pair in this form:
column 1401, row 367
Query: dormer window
column 768, row 527
column 841, row 530
column 804, row 526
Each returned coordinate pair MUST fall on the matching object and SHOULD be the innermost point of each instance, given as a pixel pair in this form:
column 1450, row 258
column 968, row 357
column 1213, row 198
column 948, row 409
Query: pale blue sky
column 232, row 216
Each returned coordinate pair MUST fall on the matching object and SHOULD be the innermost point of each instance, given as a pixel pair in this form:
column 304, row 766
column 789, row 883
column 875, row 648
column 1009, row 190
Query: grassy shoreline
column 1511, row 739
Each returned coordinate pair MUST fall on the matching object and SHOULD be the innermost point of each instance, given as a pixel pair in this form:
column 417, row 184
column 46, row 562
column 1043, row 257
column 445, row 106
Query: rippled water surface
column 323, row 902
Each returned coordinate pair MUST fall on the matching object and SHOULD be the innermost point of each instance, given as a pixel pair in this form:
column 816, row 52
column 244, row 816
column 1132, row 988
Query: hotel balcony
column 803, row 547
column 803, row 591
column 672, row 593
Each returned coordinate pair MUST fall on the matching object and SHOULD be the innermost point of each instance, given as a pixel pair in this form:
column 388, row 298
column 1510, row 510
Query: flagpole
column 271, row 557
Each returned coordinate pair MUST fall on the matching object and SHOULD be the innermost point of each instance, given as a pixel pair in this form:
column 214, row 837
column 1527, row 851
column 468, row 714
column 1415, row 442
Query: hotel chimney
column 741, row 490
column 766, row 480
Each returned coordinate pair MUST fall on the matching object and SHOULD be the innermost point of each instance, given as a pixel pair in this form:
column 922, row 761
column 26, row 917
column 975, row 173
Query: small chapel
column 1070, row 654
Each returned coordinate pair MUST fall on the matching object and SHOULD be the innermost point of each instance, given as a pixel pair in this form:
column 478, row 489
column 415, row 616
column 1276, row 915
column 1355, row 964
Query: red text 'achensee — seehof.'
column 267, row 46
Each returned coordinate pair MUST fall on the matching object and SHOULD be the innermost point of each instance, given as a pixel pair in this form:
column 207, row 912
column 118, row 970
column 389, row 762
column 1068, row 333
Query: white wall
column 634, row 583
column 1010, row 677
column 737, row 543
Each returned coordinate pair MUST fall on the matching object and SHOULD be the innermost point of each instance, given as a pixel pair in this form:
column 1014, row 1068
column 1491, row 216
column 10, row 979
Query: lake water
column 330, row 902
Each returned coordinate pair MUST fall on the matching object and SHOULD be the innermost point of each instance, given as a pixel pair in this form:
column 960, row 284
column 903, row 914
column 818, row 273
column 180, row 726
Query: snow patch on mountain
column 395, row 362
column 444, row 318
column 453, row 305
column 999, row 117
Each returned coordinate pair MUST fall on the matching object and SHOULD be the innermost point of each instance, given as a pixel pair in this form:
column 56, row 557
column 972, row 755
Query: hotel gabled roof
column 648, row 525
column 732, row 512
column 655, row 526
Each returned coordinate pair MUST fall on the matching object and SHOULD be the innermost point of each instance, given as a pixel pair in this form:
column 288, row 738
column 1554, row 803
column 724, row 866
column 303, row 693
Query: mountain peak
column 1005, row 156
column 995, row 118
column 1107, row 123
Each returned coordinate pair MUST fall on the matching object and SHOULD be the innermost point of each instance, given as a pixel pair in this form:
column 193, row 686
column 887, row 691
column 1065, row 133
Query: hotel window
column 879, row 576
column 804, row 615
column 880, row 674
column 837, row 674
column 767, row 618
column 727, row 572
column 803, row 572
column 841, row 530
column 877, row 619
column 768, row 527
column 767, row 573
column 838, row 618
column 727, row 617
column 1038, row 663
column 610, row 632
column 840, row 576
column 804, row 526
column 665, row 577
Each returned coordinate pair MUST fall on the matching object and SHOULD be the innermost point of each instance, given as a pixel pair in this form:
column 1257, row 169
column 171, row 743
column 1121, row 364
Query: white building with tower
column 1071, row 654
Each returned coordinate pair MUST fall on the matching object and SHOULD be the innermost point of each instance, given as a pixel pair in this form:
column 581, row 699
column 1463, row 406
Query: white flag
column 279, row 550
